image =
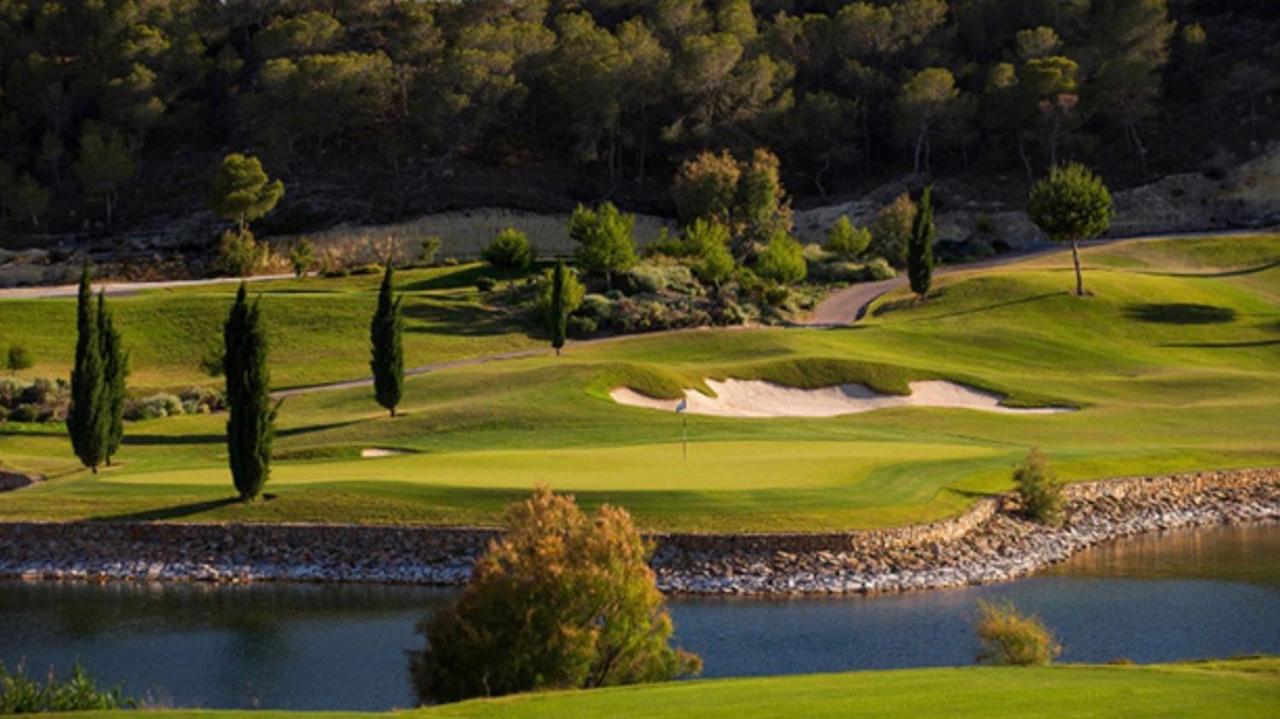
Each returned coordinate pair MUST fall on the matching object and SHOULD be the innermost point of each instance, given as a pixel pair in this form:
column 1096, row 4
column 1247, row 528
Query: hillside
column 375, row 111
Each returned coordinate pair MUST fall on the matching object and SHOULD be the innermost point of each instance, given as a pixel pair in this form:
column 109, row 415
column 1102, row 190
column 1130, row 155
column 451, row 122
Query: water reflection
column 1207, row 593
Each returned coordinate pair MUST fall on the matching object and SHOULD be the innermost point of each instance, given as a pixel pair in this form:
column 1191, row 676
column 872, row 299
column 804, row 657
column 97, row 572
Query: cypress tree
column 115, row 373
column 87, row 419
column 557, row 316
column 387, row 361
column 920, row 246
column 251, row 425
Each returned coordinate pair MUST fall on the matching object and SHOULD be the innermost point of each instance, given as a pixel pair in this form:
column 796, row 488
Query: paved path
column 124, row 288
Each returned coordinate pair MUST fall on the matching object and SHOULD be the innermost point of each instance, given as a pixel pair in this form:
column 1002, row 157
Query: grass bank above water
column 1232, row 688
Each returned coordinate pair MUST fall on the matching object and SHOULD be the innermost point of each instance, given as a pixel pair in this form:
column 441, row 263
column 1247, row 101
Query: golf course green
column 1173, row 364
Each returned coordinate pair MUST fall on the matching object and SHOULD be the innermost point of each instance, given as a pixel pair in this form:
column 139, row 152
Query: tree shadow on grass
column 1180, row 313
column 462, row 320
column 1223, row 273
column 161, row 440
column 890, row 307
column 164, row 513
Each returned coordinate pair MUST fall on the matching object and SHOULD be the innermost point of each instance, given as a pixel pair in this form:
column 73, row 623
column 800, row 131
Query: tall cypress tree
column 920, row 246
column 558, row 317
column 115, row 373
column 387, row 361
column 251, row 425
column 87, row 419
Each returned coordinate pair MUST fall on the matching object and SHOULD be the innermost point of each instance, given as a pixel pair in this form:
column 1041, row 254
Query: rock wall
column 987, row 543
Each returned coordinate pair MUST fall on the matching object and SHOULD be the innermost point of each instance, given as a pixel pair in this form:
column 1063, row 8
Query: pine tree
column 251, row 426
column 556, row 314
column 115, row 374
column 87, row 419
column 387, row 362
column 920, row 246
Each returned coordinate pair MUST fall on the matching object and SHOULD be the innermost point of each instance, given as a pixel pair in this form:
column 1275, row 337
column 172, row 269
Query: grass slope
column 318, row 328
column 1174, row 364
column 1236, row 688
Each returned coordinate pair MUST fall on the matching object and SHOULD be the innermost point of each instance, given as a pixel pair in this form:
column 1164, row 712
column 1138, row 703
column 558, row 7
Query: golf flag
column 682, row 405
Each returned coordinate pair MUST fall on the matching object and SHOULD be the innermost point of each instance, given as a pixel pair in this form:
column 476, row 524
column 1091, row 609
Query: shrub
column 606, row 240
column 301, row 256
column 485, row 284
column 707, row 243
column 878, row 269
column 154, row 406
column 20, row 694
column 573, row 292
column 239, row 254
column 18, row 358
column 202, row 400
column 847, row 241
column 782, row 261
column 655, row 276
column 559, row 601
column 596, row 307
column 1009, row 637
column 40, row 400
column 1039, row 491
column 838, row 271
column 509, row 252
column 430, row 246
column 891, row 228
column 580, row 327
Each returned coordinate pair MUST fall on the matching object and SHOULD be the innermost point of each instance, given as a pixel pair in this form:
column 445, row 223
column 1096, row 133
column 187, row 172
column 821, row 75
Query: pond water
column 1211, row 592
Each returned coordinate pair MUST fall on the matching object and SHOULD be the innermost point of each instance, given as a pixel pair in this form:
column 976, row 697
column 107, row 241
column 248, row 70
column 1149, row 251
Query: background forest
column 113, row 113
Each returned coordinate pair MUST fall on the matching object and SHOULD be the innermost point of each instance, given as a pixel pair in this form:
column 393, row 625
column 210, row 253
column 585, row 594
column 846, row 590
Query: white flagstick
column 681, row 409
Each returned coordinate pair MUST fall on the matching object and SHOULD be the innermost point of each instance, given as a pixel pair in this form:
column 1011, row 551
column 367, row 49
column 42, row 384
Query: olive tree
column 1070, row 205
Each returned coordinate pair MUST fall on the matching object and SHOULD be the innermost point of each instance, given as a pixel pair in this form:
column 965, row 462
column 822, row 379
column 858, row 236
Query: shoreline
column 988, row 543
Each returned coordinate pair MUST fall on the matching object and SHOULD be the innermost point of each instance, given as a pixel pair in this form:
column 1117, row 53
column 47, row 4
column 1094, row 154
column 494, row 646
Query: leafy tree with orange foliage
column 561, row 601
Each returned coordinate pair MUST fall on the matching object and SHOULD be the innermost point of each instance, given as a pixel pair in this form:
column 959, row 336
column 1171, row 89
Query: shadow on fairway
column 890, row 307
column 1224, row 273
column 1180, row 313
column 175, row 512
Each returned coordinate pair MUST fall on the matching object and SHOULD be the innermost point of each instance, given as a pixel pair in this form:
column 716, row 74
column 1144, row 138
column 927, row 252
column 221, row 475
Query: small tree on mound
column 606, row 240
column 241, row 191
column 1070, row 205
column 1039, row 491
column 1011, row 638
column 561, row 601
column 18, row 359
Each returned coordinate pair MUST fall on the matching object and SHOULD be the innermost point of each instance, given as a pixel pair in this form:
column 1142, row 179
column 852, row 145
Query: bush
column 847, row 241
column 485, row 284
column 239, row 255
column 1039, row 491
column 782, row 261
column 838, row 271
column 155, row 406
column 598, row 308
column 509, row 252
column 560, row 601
column 654, row 276
column 41, row 400
column 891, row 228
column 22, row 695
column 579, row 327
column 301, row 256
column 202, row 400
column 878, row 269
column 18, row 358
column 1011, row 638
column 430, row 247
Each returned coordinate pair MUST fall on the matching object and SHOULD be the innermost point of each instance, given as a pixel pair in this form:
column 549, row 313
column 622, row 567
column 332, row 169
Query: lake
column 1179, row 595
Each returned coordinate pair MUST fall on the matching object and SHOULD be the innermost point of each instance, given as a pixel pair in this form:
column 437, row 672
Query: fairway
column 1180, row 340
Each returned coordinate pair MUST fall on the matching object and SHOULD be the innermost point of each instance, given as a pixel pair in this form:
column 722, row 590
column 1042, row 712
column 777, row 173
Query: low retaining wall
column 987, row 543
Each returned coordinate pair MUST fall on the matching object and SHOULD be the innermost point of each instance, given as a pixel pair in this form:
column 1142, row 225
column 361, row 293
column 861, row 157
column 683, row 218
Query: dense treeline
column 99, row 95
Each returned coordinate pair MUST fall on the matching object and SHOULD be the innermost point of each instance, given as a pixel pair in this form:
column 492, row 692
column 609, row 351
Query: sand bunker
column 376, row 452
column 753, row 398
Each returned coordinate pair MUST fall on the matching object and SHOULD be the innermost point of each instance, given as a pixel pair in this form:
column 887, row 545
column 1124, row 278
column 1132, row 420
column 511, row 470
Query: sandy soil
column 753, row 398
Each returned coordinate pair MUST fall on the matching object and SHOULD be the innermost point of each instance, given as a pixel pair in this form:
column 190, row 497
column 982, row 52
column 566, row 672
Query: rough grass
column 1173, row 371
column 1235, row 688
